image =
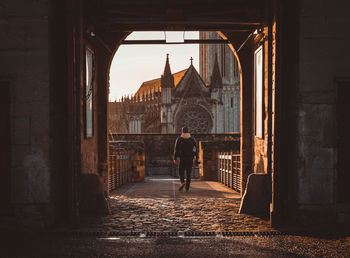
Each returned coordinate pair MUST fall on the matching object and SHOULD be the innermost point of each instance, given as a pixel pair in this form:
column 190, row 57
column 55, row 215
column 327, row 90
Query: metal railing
column 229, row 172
column 119, row 169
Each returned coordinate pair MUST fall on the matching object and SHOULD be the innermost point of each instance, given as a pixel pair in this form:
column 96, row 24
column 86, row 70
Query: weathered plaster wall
column 324, row 55
column 260, row 156
column 260, row 144
column 24, row 63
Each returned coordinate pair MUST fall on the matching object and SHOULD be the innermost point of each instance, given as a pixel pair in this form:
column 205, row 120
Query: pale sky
column 134, row 64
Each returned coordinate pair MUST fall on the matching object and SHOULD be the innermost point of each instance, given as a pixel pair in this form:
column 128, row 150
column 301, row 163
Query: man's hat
column 185, row 129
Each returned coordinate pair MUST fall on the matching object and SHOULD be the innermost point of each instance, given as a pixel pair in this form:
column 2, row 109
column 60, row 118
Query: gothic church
column 166, row 104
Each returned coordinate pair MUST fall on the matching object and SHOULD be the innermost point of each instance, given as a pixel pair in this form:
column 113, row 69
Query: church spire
column 167, row 80
column 216, row 79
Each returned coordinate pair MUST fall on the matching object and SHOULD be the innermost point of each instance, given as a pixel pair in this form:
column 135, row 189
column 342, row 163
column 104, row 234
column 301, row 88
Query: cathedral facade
column 230, row 74
column 166, row 104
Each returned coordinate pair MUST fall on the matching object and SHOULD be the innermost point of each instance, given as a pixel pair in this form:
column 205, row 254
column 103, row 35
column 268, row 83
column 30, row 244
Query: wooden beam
column 186, row 41
column 198, row 21
column 166, row 27
column 179, row 26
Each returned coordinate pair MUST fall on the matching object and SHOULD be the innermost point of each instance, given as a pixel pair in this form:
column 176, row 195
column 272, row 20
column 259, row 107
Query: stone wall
column 324, row 56
column 316, row 56
column 24, row 64
column 208, row 152
column 159, row 148
column 136, row 151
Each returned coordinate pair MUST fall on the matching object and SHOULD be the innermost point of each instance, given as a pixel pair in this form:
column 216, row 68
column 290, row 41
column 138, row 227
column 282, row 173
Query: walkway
column 142, row 214
column 156, row 205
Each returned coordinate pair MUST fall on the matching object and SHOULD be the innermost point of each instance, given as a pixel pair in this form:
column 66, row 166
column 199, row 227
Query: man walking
column 185, row 149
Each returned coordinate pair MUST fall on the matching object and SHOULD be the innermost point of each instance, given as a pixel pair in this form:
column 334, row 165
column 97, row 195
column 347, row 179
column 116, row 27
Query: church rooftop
column 154, row 85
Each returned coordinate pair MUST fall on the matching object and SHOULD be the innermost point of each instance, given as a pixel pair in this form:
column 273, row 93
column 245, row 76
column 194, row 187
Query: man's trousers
column 185, row 165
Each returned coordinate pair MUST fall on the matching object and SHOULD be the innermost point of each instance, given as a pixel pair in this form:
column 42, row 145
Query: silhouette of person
column 186, row 148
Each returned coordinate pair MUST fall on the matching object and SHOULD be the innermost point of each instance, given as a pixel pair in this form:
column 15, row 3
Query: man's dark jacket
column 186, row 147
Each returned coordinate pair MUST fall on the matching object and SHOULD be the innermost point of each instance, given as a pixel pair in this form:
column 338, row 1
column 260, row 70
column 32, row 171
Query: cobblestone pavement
column 54, row 245
column 156, row 205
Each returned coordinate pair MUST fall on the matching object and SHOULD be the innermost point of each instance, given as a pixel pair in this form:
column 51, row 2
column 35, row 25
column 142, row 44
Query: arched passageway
column 98, row 29
column 246, row 30
column 55, row 134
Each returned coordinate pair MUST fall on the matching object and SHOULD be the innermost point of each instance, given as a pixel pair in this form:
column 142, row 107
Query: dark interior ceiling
column 241, row 17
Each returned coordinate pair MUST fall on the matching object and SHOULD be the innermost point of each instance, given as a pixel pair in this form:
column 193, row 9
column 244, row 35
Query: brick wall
column 136, row 155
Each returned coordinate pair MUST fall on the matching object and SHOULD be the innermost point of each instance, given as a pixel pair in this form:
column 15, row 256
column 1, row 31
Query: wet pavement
column 154, row 219
column 156, row 205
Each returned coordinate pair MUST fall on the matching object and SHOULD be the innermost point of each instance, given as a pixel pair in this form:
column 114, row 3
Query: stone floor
column 156, row 205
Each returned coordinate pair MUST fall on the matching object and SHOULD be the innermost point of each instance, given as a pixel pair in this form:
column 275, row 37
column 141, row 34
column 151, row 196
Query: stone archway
column 195, row 117
column 109, row 23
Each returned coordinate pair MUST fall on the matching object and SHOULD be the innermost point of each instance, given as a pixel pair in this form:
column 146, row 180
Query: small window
column 258, row 90
column 89, row 93
column 231, row 102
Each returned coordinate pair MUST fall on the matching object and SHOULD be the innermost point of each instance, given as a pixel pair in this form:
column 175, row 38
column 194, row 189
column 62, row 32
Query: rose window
column 196, row 118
